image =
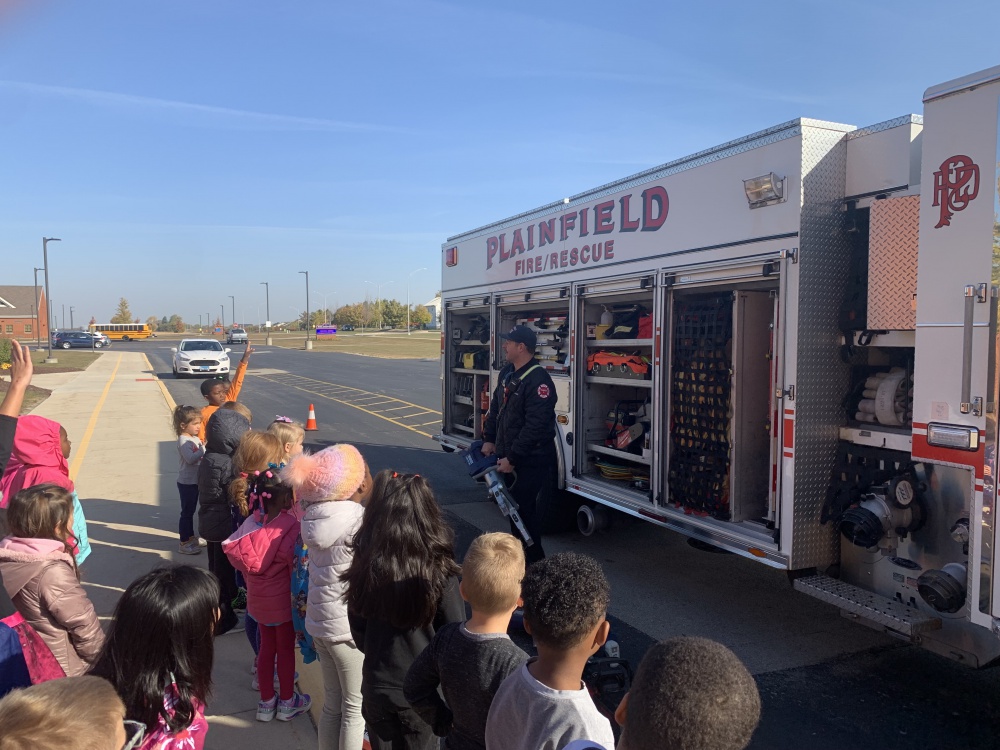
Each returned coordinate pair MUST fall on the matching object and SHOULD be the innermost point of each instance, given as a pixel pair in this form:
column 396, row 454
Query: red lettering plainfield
column 583, row 222
column 531, row 236
column 516, row 243
column 603, row 219
column 654, row 196
column 491, row 251
column 504, row 255
column 628, row 224
column 546, row 232
column 566, row 222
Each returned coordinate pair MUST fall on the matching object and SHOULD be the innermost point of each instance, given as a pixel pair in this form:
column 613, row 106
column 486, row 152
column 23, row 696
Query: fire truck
column 784, row 346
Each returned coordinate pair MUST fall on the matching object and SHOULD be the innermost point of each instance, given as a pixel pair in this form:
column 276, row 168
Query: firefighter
column 520, row 429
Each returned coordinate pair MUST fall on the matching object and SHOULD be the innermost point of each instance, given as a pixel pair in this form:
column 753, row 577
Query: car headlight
column 183, row 356
column 223, row 358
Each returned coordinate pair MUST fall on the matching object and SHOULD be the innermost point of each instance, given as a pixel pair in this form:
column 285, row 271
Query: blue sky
column 187, row 150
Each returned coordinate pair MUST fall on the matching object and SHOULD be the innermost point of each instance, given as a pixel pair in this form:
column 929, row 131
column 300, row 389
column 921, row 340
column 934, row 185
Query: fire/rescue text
column 603, row 218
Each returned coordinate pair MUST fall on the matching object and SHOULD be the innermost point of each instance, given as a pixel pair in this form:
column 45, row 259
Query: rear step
column 875, row 608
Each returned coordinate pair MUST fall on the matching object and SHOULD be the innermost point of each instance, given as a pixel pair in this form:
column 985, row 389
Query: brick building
column 20, row 316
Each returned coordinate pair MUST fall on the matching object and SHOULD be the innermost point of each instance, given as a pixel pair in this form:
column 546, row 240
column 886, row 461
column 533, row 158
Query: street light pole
column 71, row 324
column 208, row 320
column 408, row 298
column 231, row 297
column 267, row 311
column 38, row 311
column 308, row 341
column 223, row 309
column 326, row 309
column 48, row 300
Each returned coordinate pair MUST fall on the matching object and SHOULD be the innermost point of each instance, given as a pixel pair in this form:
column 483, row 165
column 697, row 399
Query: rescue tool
column 485, row 468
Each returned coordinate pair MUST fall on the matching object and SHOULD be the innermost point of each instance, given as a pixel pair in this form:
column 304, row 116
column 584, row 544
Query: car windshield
column 201, row 346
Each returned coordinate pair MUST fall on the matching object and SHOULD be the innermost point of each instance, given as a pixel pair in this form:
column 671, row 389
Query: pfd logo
column 956, row 185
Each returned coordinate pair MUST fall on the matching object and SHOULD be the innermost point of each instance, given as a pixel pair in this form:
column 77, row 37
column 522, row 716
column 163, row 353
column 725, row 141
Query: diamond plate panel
column 892, row 263
column 821, row 378
column 872, row 607
column 886, row 125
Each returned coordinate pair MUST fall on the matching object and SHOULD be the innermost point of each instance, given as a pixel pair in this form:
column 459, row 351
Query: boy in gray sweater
column 470, row 660
column 545, row 705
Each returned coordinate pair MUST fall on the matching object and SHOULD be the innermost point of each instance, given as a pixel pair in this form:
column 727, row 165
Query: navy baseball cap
column 521, row 335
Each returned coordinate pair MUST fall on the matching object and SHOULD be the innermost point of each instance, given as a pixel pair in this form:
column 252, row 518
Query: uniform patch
column 543, row 391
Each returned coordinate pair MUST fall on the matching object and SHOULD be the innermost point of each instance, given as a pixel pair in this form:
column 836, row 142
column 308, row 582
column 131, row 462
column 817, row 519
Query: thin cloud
column 199, row 114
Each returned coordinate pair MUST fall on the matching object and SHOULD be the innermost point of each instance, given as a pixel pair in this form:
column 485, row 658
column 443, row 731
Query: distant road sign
column 326, row 330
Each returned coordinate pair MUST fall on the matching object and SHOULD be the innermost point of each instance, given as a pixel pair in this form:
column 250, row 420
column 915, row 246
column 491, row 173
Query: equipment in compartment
column 700, row 404
column 552, row 334
column 609, row 364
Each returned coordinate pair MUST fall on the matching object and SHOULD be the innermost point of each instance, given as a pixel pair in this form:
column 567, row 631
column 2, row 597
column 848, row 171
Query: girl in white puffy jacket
column 332, row 487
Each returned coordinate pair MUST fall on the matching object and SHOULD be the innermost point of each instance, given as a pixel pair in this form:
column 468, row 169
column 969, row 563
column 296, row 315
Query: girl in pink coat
column 263, row 549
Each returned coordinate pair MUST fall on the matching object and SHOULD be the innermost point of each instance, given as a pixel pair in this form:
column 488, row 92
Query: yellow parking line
column 349, row 388
column 81, row 450
column 424, row 424
column 171, row 404
column 355, row 406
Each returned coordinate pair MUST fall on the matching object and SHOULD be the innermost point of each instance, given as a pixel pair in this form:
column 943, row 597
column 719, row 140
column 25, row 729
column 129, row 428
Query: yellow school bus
column 123, row 331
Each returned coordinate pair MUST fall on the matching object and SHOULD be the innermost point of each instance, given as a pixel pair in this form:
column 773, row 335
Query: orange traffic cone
column 311, row 421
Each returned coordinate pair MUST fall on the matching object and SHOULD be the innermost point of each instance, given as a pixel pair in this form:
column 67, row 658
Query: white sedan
column 204, row 357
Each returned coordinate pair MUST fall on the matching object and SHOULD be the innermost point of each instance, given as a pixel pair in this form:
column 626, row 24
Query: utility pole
column 48, row 300
column 223, row 309
column 309, row 344
column 267, row 312
column 233, row 299
column 71, row 325
column 38, row 310
column 408, row 298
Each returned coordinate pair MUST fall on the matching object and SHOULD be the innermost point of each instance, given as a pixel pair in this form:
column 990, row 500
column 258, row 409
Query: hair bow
column 279, row 418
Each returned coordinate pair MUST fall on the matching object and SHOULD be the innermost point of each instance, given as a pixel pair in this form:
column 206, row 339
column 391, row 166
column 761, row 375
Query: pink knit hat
column 335, row 473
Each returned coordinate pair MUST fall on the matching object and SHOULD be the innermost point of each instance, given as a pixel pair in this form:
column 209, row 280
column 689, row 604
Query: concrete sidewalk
column 124, row 463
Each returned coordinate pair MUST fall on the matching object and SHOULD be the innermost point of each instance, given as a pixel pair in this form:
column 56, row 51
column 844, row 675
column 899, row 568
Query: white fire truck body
column 748, row 349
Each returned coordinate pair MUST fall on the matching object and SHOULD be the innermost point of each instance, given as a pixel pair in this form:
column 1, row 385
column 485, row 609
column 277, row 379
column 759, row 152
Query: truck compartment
column 617, row 397
column 720, row 447
column 467, row 367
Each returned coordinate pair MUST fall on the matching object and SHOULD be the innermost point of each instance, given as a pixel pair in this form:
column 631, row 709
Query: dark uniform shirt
column 522, row 417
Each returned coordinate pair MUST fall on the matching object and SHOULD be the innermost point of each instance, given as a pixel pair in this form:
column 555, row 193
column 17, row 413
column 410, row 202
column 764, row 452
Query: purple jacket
column 264, row 553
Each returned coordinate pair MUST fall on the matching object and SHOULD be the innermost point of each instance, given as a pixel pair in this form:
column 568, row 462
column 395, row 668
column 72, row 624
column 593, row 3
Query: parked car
column 204, row 357
column 347, row 327
column 98, row 336
column 80, row 339
column 236, row 336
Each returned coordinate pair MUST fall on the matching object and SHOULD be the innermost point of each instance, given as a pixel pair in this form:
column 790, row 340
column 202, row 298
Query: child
column 239, row 409
column 215, row 520
column 290, row 433
column 159, row 653
column 41, row 577
column 331, row 486
column 79, row 712
column 219, row 390
column 692, row 693
column 40, row 452
column 257, row 451
column 24, row 657
column 545, row 705
column 187, row 425
column 471, row 660
column 263, row 549
column 21, row 369
column 402, row 586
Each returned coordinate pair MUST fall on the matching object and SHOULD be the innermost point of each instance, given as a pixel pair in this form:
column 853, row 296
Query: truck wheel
column 66, row 345
column 125, row 338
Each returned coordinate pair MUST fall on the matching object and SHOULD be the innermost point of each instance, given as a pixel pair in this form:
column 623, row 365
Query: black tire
column 125, row 338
